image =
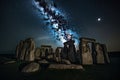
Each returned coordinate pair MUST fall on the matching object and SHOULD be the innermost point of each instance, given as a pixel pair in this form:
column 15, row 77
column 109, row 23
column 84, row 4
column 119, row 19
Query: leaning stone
column 32, row 67
column 9, row 62
column 64, row 66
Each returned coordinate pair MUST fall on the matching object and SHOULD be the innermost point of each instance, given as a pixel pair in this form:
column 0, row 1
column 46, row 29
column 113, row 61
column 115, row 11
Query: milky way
column 55, row 20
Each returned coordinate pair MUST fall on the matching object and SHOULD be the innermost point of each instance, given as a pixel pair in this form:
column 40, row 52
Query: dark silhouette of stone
column 69, row 48
column 78, row 57
column 64, row 54
column 106, row 57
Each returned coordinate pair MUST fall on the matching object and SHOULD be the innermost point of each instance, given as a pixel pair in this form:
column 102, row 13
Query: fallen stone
column 64, row 66
column 9, row 62
column 65, row 61
column 32, row 67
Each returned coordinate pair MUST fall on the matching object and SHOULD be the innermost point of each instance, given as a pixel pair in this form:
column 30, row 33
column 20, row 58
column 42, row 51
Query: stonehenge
column 90, row 52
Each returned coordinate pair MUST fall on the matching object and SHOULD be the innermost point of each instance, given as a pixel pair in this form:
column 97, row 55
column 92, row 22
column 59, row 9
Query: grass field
column 93, row 72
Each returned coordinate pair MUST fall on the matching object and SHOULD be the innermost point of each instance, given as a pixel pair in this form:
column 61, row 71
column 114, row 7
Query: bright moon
column 99, row 19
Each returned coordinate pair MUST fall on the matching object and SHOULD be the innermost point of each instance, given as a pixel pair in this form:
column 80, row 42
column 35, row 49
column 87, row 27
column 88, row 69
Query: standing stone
column 87, row 50
column 42, row 53
column 50, row 54
column 58, row 54
column 69, row 50
column 31, row 50
column 86, row 55
column 25, row 50
column 100, row 56
column 107, row 60
column 78, row 57
column 18, row 49
column 64, row 54
column 37, row 53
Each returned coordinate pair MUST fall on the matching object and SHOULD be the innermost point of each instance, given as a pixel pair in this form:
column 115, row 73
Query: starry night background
column 19, row 20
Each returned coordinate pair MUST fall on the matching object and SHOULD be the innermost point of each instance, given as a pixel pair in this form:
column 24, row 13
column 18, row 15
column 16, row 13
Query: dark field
column 93, row 72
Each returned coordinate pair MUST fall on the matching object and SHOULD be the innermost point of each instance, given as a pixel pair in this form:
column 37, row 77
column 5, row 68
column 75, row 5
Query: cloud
column 43, row 38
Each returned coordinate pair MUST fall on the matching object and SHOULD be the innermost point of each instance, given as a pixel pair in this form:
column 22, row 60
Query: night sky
column 20, row 20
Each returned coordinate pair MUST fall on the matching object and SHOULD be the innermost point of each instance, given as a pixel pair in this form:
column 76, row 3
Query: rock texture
column 25, row 50
column 87, row 49
column 37, row 53
column 58, row 54
column 32, row 67
column 86, row 55
column 100, row 55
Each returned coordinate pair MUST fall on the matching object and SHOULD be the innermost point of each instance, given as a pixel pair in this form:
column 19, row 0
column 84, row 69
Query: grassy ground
column 94, row 72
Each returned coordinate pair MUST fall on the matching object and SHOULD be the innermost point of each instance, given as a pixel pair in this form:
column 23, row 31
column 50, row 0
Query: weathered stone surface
column 100, row 56
column 19, row 49
column 64, row 66
column 32, row 67
column 65, row 61
column 44, row 61
column 25, row 50
column 37, row 53
column 107, row 60
column 58, row 54
column 86, row 54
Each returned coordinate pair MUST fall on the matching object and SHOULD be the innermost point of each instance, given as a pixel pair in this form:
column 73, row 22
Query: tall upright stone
column 30, row 50
column 70, row 49
column 19, row 49
column 100, row 54
column 25, row 50
column 37, row 53
column 58, row 52
column 64, row 54
column 107, row 60
column 86, row 50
